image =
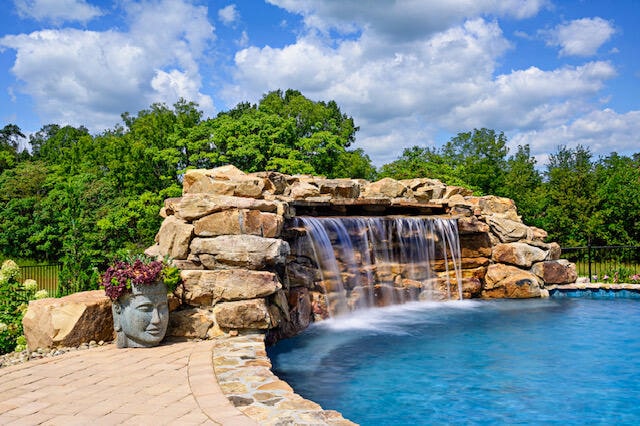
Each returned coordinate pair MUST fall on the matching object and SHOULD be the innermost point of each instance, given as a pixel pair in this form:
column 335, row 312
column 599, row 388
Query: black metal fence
column 612, row 264
column 45, row 275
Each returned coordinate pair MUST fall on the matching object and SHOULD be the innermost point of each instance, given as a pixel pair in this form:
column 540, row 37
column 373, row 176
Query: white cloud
column 57, row 11
column 228, row 15
column 401, row 92
column 406, row 20
column 408, row 71
column 361, row 73
column 176, row 84
column 599, row 130
column 91, row 77
column 243, row 41
column 532, row 97
column 581, row 37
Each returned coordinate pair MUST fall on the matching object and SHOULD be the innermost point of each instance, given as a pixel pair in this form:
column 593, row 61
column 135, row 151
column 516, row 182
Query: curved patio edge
column 243, row 372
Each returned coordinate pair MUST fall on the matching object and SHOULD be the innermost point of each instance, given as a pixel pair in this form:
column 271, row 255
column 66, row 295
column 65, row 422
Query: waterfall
column 379, row 261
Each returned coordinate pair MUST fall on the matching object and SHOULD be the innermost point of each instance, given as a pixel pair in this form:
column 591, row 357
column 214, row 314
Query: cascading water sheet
column 379, row 261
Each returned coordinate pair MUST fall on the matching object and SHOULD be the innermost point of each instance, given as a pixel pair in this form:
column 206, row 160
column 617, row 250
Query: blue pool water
column 553, row 361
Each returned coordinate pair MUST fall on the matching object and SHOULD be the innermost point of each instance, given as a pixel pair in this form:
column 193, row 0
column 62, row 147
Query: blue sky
column 413, row 72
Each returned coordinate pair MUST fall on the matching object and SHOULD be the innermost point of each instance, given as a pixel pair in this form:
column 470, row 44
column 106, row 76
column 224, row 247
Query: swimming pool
column 540, row 361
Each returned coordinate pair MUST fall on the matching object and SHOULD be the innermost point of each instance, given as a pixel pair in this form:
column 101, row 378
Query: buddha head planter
column 140, row 317
column 139, row 302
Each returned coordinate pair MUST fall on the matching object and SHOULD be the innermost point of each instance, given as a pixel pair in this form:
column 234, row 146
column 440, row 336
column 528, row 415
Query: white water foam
column 332, row 334
column 393, row 319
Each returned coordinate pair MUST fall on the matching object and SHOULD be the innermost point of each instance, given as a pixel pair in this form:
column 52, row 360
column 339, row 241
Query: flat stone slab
column 594, row 286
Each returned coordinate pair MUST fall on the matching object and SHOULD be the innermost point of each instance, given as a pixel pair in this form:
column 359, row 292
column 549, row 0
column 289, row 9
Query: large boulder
column 275, row 183
column 195, row 206
column 174, row 237
column 519, row 254
column 387, row 187
column 339, row 188
column 425, row 189
column 554, row 251
column 68, row 321
column 299, row 313
column 475, row 245
column 504, row 281
column 243, row 314
column 206, row 288
column 240, row 251
column 450, row 191
column 471, row 287
column 302, row 273
column 190, row 323
column 226, row 222
column 556, row 271
column 508, row 230
column 267, row 225
column 226, row 180
column 471, row 225
column 300, row 190
column 499, row 206
column 239, row 221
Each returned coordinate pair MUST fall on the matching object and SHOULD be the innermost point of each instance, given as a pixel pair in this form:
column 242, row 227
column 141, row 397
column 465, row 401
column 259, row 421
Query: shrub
column 14, row 298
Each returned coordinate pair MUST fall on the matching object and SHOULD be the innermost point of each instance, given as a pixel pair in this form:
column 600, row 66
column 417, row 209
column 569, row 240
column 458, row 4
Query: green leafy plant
column 14, row 299
column 119, row 278
column 171, row 276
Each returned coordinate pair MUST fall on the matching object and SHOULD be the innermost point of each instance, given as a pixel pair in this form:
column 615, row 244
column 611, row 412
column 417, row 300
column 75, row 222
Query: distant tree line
column 577, row 199
column 82, row 199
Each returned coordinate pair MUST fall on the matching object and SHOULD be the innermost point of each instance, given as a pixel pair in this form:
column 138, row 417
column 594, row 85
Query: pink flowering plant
column 123, row 274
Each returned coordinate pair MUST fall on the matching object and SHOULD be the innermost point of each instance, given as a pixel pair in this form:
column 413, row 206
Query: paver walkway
column 170, row 384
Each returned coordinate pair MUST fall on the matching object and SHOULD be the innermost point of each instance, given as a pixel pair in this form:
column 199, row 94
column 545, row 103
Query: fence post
column 589, row 257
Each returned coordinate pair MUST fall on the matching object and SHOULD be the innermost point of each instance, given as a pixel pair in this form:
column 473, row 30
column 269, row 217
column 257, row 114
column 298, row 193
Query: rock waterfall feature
column 241, row 241
column 241, row 244
column 365, row 262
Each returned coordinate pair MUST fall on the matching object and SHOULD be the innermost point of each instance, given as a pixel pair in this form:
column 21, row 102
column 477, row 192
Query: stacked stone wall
column 230, row 237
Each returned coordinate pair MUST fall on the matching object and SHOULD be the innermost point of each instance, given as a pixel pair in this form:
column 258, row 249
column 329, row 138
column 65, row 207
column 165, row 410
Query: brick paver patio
column 170, row 384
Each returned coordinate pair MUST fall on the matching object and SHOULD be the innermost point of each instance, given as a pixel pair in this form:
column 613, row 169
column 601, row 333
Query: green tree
column 67, row 221
column 68, row 147
column 152, row 159
column 285, row 132
column 10, row 136
column 80, row 198
column 417, row 162
column 310, row 117
column 568, row 212
column 617, row 194
column 252, row 140
column 21, row 189
column 481, row 154
column 355, row 164
column 522, row 183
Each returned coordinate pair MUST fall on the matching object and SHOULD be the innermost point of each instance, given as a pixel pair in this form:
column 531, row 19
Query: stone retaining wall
column 228, row 235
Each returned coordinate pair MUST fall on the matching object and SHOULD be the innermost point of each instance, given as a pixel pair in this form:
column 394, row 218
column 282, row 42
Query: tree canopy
column 80, row 198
